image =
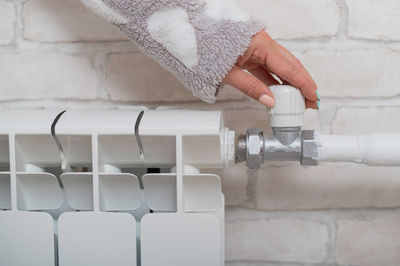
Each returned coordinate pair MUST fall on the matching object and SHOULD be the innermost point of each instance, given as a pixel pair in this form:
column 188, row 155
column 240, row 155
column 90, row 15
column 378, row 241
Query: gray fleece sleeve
column 198, row 41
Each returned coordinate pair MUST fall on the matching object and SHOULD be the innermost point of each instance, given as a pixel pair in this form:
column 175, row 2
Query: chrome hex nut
column 254, row 148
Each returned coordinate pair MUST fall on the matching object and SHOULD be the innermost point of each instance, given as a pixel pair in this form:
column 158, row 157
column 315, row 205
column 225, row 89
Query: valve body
column 288, row 142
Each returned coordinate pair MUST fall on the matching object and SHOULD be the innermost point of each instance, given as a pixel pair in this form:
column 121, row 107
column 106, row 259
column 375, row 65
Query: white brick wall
column 290, row 240
column 57, row 53
column 369, row 120
column 347, row 186
column 374, row 20
column 7, row 19
column 355, row 73
column 291, row 19
column 368, row 242
column 71, row 22
column 46, row 75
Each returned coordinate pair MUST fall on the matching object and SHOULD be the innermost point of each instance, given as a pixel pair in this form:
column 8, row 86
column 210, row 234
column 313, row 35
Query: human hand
column 263, row 57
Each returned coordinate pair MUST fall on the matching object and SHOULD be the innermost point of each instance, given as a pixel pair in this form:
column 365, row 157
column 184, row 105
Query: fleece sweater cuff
column 198, row 41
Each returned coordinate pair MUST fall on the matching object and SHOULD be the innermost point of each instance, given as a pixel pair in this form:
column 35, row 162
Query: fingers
column 304, row 81
column 312, row 104
column 265, row 53
column 264, row 76
column 293, row 72
column 281, row 62
column 298, row 76
column 250, row 85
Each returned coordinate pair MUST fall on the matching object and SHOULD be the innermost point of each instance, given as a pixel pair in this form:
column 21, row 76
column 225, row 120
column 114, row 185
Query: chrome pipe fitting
column 288, row 144
column 254, row 148
column 240, row 148
column 286, row 135
column 277, row 151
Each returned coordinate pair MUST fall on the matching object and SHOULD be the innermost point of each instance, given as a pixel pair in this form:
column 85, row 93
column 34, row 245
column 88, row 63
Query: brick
column 278, row 240
column 7, row 20
column 357, row 73
column 234, row 183
column 65, row 21
column 294, row 19
column 385, row 119
column 322, row 187
column 368, row 242
column 374, row 20
column 30, row 75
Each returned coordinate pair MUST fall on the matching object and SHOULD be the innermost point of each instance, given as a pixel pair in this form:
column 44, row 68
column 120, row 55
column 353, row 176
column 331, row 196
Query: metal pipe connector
column 287, row 144
column 254, row 148
column 286, row 135
column 276, row 151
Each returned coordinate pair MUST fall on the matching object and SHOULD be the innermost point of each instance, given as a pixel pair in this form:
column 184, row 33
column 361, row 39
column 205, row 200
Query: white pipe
column 372, row 149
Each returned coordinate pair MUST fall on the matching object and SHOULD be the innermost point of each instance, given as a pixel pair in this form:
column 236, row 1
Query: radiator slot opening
column 4, row 154
column 5, row 188
column 122, row 151
column 78, row 179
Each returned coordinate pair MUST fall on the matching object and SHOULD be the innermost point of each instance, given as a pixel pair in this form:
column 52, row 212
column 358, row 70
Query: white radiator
column 112, row 187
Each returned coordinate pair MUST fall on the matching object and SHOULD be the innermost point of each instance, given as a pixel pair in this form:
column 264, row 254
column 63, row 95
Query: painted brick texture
column 368, row 242
column 46, row 75
column 290, row 240
column 374, row 20
column 355, row 73
column 70, row 21
column 57, row 53
column 348, row 186
column 290, row 19
column 7, row 20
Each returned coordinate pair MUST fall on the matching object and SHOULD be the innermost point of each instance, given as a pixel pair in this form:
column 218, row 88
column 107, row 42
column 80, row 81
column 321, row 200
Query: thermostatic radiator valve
column 288, row 142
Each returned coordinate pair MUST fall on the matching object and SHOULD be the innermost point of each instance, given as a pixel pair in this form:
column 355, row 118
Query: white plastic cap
column 289, row 107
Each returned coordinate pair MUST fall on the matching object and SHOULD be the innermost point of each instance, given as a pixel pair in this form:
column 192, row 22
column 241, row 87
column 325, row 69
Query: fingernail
column 319, row 98
column 266, row 100
column 318, row 104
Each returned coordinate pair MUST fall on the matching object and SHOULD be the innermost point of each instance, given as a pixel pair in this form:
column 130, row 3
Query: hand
column 263, row 57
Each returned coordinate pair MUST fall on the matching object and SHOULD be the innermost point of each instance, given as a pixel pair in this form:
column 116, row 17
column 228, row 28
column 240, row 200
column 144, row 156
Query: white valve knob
column 289, row 107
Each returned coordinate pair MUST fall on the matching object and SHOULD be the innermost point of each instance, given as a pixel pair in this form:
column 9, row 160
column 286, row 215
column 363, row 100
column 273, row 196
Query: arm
column 197, row 41
column 202, row 42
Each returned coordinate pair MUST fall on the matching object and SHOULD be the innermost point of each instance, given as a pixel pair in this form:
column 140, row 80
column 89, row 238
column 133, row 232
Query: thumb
column 250, row 85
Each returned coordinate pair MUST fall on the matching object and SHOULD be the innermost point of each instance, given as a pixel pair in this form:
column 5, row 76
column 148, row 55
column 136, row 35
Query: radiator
column 112, row 187
column 133, row 187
